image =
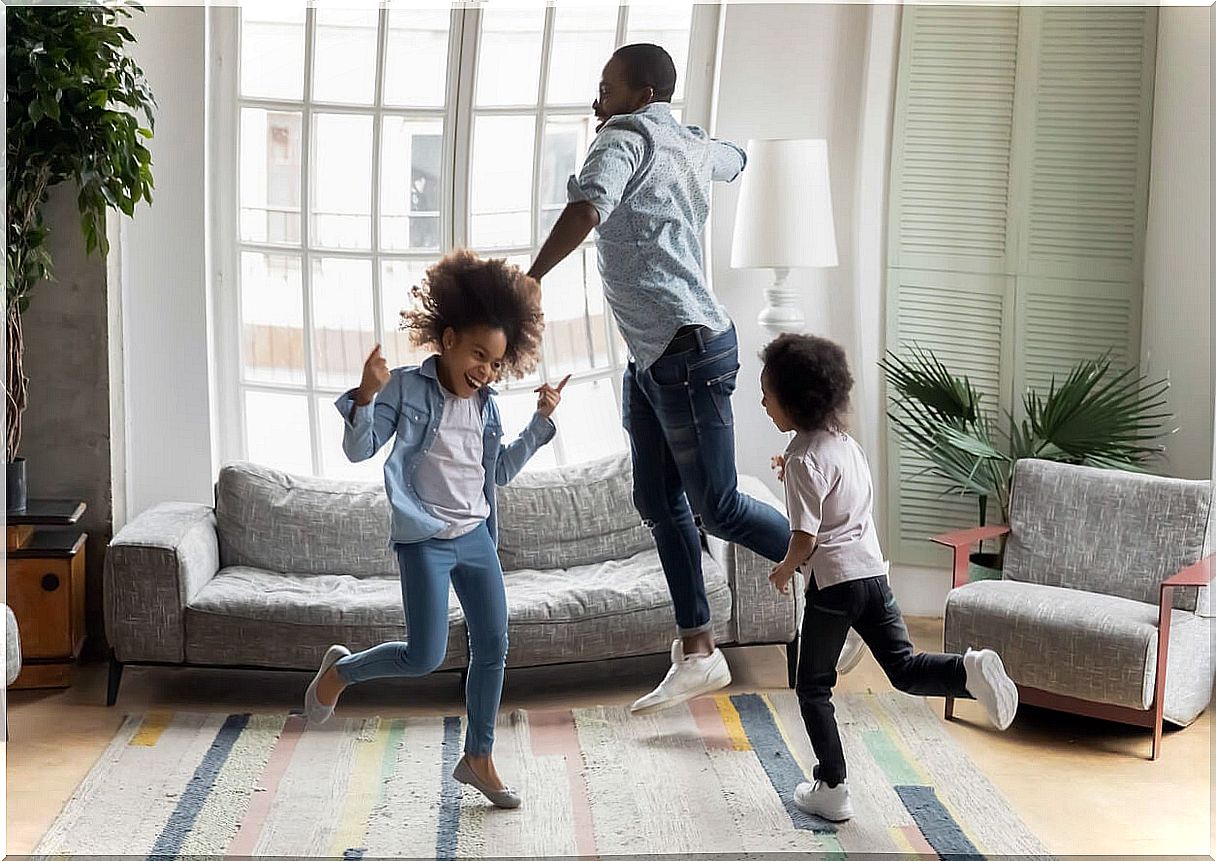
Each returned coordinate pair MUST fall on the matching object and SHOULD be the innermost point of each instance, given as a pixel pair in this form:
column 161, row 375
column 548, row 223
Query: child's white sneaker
column 827, row 802
column 988, row 682
column 850, row 655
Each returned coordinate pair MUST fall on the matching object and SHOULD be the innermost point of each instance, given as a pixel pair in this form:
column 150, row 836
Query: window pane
column 415, row 68
column 270, row 176
column 272, row 50
column 575, row 336
column 668, row 26
column 589, row 421
column 516, row 411
column 502, row 181
column 343, row 327
column 341, row 170
column 272, row 318
column 276, row 431
column 411, row 176
column 344, row 66
column 565, row 144
column 334, row 463
column 508, row 64
column 583, row 40
column 398, row 278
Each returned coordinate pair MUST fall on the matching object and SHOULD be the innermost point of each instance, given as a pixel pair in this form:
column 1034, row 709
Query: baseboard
column 920, row 591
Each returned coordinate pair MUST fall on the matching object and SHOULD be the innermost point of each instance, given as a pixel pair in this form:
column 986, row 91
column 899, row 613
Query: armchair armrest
column 760, row 614
column 154, row 566
column 962, row 540
column 1198, row 574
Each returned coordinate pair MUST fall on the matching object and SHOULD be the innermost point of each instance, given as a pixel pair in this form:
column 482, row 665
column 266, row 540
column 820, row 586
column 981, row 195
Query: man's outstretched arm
column 576, row 221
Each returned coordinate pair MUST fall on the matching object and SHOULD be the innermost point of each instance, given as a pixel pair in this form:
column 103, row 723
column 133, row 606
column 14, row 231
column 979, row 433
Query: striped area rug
column 716, row 776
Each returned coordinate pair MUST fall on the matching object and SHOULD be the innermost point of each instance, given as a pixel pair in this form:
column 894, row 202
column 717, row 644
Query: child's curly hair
column 810, row 377
column 462, row 290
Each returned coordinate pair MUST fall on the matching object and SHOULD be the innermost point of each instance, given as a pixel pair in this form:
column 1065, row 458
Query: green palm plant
column 1097, row 416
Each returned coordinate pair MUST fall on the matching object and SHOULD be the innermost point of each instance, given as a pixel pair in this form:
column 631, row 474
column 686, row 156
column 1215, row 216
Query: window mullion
column 307, row 167
column 463, row 59
column 378, row 332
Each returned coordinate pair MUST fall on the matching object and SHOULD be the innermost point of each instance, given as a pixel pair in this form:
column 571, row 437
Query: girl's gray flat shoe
column 508, row 797
column 314, row 711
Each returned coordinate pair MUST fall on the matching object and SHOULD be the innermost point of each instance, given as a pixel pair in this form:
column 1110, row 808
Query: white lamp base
column 782, row 313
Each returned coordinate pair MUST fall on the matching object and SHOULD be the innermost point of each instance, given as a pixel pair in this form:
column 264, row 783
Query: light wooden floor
column 1083, row 786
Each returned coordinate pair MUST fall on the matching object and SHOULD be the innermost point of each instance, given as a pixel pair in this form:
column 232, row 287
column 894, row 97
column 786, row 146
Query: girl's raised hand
column 550, row 397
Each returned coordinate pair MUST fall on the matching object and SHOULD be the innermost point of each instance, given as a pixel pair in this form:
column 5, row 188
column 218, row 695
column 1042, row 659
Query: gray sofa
column 1103, row 608
column 282, row 566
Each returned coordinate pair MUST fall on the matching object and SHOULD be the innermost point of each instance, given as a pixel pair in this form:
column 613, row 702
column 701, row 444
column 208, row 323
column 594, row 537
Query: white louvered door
column 1082, row 191
column 1018, row 198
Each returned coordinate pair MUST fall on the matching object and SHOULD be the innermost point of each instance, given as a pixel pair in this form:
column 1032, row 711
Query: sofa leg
column 791, row 659
column 115, row 680
column 1157, row 722
column 949, row 708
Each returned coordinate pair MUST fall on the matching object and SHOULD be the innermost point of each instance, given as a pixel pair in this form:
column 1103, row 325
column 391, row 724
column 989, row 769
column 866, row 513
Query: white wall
column 1176, row 335
column 167, row 402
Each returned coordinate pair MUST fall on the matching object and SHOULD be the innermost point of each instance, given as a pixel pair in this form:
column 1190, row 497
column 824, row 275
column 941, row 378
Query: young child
column 484, row 319
column 829, row 494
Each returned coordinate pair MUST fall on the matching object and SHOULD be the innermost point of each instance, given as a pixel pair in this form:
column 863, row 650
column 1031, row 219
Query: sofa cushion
column 253, row 617
column 603, row 610
column 1104, row 530
column 269, row 519
column 570, row 516
column 1088, row 645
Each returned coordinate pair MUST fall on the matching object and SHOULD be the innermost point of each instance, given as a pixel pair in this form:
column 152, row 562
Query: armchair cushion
column 1108, row 531
column 12, row 647
column 1088, row 645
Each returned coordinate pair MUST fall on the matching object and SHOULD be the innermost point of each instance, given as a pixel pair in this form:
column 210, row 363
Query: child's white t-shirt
column 829, row 494
column 450, row 478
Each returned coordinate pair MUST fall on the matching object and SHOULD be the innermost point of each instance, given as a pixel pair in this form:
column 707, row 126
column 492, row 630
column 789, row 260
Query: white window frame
column 223, row 218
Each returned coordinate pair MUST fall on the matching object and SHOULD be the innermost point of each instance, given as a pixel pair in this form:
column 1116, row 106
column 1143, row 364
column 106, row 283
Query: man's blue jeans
column 470, row 563
column 681, row 432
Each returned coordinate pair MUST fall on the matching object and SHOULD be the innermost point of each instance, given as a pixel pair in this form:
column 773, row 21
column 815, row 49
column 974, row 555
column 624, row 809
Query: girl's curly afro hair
column 462, row 291
column 810, row 377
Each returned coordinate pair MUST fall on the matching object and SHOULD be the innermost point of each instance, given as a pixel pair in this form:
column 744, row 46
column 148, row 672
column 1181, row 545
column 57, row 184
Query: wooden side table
column 46, row 589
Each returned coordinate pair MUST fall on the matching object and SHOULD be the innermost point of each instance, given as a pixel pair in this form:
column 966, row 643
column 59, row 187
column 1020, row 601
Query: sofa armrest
column 760, row 614
column 962, row 540
column 154, row 566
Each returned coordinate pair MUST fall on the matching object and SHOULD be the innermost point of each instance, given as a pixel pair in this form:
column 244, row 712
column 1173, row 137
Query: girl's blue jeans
column 470, row 563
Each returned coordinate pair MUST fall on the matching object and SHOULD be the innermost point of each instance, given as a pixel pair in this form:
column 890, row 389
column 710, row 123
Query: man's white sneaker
column 850, row 655
column 988, row 682
column 688, row 677
column 827, row 802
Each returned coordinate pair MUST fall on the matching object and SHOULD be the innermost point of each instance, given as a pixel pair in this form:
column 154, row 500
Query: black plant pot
column 16, row 485
column 984, row 566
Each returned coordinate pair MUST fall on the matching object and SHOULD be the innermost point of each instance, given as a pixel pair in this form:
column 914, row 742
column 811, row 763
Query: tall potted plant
column 1097, row 416
column 75, row 102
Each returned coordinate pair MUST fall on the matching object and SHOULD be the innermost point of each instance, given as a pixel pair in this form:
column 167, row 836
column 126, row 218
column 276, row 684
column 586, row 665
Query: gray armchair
column 12, row 647
column 1103, row 607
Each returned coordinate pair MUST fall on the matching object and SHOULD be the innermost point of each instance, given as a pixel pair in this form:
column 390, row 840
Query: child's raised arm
column 370, row 412
column 511, row 458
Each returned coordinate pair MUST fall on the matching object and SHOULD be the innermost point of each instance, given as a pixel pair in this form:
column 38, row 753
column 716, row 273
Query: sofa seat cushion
column 1095, row 647
column 604, row 610
column 254, row 617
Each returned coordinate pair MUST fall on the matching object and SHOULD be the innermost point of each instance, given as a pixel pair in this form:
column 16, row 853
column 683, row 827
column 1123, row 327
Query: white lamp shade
column 784, row 217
